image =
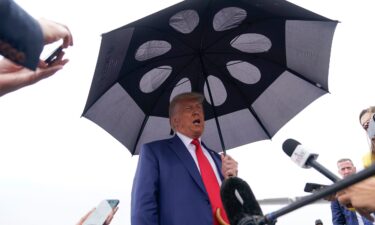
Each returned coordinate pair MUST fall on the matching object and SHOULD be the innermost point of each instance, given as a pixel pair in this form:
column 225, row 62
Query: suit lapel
column 183, row 154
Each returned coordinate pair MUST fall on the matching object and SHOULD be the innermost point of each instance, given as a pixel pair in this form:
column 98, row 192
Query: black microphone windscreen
column 289, row 146
column 238, row 200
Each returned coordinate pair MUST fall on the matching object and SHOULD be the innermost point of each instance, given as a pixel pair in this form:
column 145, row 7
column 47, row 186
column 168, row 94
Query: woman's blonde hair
column 370, row 109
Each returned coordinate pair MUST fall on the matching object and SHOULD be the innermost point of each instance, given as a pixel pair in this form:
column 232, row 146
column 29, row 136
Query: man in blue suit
column 168, row 188
column 341, row 215
column 22, row 39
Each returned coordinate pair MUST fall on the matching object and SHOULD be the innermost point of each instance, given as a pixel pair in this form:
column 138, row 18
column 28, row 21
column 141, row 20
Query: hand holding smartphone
column 312, row 187
column 101, row 212
column 54, row 55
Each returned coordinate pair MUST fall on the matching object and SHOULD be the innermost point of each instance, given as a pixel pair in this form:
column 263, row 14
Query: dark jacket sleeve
column 338, row 217
column 21, row 38
column 144, row 203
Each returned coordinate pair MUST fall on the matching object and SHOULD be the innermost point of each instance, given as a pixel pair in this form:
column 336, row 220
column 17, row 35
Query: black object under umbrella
column 257, row 62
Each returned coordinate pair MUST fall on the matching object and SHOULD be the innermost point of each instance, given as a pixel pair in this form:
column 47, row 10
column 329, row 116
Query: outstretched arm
column 22, row 37
column 14, row 77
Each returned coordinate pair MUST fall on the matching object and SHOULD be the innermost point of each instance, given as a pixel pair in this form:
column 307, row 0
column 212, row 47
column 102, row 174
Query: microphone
column 303, row 158
column 243, row 209
column 239, row 202
column 329, row 190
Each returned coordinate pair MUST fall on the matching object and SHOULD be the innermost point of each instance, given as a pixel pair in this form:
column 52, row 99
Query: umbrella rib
column 249, row 24
column 139, row 134
column 205, row 77
column 147, row 115
column 169, row 37
column 213, row 106
column 155, row 61
column 293, row 72
column 250, row 108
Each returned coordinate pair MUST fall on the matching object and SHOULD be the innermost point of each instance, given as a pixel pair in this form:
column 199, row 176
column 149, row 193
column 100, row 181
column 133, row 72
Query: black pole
column 344, row 183
column 313, row 163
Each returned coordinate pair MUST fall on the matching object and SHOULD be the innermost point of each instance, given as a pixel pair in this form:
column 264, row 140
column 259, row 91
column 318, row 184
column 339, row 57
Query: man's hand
column 229, row 167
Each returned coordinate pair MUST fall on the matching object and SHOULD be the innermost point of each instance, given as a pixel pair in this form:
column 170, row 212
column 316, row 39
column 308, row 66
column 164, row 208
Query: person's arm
column 338, row 218
column 360, row 195
column 144, row 205
column 21, row 37
column 14, row 77
column 229, row 166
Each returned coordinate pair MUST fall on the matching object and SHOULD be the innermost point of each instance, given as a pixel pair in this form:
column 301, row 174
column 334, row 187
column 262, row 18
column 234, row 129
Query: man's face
column 188, row 118
column 346, row 168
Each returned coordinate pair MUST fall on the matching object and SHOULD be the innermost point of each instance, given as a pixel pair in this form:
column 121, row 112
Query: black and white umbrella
column 257, row 62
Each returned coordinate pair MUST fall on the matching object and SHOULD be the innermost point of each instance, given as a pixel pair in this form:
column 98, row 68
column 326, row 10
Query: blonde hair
column 370, row 109
column 181, row 97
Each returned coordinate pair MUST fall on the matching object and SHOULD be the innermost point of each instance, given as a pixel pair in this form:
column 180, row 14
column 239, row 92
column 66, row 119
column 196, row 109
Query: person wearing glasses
column 365, row 117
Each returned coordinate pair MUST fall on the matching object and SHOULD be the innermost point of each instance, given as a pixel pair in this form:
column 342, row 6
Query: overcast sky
column 55, row 165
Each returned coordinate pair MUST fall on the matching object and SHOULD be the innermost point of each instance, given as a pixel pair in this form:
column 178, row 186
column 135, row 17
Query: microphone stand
column 270, row 218
column 314, row 164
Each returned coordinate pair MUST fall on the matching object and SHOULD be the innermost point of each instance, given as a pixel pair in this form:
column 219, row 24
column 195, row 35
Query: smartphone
column 312, row 187
column 53, row 56
column 371, row 127
column 101, row 212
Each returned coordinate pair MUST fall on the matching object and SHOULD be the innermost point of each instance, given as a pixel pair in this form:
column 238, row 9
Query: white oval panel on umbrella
column 251, row 43
column 185, row 21
column 218, row 91
column 152, row 49
column 184, row 85
column 154, row 78
column 228, row 18
column 243, row 71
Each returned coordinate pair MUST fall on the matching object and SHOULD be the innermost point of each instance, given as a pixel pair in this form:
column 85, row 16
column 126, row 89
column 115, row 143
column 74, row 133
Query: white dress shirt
column 191, row 148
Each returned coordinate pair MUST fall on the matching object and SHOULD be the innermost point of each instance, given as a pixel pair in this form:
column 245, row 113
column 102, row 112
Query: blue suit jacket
column 342, row 216
column 21, row 38
column 167, row 188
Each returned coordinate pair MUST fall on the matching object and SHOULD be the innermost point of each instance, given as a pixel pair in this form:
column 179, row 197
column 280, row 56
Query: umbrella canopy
column 257, row 62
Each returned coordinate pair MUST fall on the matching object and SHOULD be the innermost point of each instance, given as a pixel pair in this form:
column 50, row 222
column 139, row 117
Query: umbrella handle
column 220, row 218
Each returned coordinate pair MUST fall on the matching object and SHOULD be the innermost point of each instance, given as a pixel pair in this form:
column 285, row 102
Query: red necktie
column 210, row 182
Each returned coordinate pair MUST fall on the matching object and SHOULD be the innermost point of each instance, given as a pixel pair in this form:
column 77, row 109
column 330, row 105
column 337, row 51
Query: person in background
column 364, row 118
column 22, row 39
column 341, row 215
column 362, row 194
column 177, row 181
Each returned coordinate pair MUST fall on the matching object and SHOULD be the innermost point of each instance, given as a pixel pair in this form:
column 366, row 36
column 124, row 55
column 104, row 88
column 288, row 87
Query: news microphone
column 329, row 190
column 303, row 158
column 239, row 202
column 243, row 209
